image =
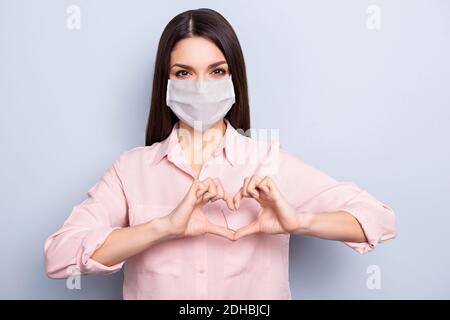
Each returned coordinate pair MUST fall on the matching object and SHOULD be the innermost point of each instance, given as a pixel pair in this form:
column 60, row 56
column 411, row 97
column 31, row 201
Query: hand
column 187, row 219
column 276, row 214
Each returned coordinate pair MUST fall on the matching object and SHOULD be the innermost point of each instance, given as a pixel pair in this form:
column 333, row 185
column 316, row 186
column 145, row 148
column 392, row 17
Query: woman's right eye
column 181, row 74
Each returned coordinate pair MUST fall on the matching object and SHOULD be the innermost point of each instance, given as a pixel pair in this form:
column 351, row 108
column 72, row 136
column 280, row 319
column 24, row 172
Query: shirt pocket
column 164, row 258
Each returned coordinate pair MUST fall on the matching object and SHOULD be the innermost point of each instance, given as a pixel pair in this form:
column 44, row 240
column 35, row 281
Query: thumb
column 186, row 206
column 192, row 196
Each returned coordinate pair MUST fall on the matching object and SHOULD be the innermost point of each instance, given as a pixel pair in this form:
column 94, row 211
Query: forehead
column 196, row 52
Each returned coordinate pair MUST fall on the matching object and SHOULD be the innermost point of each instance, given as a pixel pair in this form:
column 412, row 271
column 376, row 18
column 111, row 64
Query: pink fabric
column 146, row 182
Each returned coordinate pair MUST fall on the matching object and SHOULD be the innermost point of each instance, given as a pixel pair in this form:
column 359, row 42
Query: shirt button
column 201, row 269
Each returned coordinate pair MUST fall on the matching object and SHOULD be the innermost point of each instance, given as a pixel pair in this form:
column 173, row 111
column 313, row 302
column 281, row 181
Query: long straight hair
column 212, row 25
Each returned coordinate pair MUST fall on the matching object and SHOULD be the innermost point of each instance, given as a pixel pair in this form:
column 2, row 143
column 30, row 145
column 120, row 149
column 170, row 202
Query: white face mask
column 200, row 103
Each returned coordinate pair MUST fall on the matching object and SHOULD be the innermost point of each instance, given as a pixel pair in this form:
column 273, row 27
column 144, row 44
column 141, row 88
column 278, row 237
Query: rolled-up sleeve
column 310, row 190
column 89, row 224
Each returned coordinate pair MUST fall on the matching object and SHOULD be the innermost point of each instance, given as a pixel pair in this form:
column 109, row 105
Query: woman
column 204, row 211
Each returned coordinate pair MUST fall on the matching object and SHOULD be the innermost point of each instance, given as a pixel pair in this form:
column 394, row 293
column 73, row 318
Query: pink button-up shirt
column 147, row 182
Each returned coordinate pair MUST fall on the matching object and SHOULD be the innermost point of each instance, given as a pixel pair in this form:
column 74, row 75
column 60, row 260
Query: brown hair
column 213, row 26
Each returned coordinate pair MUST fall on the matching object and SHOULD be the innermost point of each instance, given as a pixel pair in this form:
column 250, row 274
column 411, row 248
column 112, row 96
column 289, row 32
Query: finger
column 247, row 230
column 223, row 195
column 272, row 188
column 251, row 187
column 184, row 209
column 201, row 189
column 220, row 192
column 264, row 185
column 244, row 188
column 230, row 203
column 211, row 192
column 220, row 231
column 237, row 199
column 192, row 194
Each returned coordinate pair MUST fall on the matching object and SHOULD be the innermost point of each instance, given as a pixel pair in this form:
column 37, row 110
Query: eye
column 181, row 74
column 219, row 71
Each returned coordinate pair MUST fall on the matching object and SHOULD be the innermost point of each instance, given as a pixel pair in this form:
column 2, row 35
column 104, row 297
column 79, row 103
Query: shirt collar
column 171, row 148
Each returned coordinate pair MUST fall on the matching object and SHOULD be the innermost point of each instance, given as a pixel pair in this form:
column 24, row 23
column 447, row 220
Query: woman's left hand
column 276, row 214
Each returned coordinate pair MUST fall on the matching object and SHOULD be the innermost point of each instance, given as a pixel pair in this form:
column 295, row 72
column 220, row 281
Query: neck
column 203, row 143
column 218, row 126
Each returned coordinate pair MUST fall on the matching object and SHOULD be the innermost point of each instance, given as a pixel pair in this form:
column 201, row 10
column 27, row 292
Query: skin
column 199, row 59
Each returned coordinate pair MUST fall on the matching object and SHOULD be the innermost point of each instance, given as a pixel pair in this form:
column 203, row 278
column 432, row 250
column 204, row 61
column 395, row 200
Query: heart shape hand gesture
column 276, row 214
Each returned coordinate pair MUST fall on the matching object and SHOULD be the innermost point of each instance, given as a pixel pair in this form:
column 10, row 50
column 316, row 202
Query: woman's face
column 197, row 58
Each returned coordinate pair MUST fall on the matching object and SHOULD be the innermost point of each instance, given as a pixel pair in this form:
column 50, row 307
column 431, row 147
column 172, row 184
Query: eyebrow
column 213, row 65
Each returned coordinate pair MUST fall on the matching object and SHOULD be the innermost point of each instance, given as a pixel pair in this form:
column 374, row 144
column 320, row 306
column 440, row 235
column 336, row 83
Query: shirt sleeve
column 310, row 190
column 105, row 209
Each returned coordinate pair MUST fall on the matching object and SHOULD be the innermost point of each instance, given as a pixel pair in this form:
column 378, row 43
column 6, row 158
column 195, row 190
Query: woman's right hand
column 187, row 219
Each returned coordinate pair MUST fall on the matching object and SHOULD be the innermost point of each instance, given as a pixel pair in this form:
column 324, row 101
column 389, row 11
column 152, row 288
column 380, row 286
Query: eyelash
column 222, row 72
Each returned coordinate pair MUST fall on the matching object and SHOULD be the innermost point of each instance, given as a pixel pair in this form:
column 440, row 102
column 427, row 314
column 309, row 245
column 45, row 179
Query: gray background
column 371, row 106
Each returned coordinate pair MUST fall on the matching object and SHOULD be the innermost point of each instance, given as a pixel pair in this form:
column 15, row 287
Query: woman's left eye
column 219, row 71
